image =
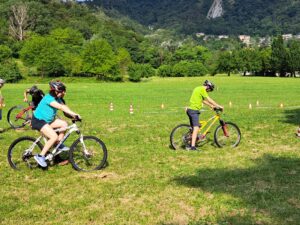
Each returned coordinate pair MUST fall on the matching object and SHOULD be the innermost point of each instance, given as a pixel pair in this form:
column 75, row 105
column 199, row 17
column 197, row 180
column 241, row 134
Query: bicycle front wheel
column 230, row 137
column 17, row 118
column 21, row 152
column 88, row 153
column 181, row 136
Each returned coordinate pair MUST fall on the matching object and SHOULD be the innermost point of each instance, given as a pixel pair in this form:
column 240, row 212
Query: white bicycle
column 86, row 153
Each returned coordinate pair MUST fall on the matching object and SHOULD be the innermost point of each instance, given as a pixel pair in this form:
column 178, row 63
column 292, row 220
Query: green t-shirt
column 199, row 94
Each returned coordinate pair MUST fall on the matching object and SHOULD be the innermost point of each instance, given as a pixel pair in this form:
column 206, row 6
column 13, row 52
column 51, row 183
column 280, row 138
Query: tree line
column 54, row 39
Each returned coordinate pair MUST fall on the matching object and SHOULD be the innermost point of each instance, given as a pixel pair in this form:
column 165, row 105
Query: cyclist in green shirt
column 199, row 97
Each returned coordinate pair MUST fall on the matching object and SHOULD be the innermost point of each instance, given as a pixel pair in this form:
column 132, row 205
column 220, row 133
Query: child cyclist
column 44, row 120
column 198, row 97
column 36, row 94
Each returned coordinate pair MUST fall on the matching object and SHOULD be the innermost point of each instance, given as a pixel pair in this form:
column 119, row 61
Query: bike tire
column 178, row 136
column 94, row 160
column 16, row 156
column 234, row 138
column 14, row 122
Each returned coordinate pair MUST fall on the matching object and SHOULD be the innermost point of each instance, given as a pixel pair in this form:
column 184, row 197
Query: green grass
column 148, row 183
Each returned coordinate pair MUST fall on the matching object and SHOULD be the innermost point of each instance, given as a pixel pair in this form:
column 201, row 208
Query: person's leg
column 194, row 122
column 48, row 131
column 58, row 123
column 194, row 136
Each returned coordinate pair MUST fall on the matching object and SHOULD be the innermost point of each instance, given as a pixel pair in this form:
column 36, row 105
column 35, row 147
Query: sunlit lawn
column 148, row 183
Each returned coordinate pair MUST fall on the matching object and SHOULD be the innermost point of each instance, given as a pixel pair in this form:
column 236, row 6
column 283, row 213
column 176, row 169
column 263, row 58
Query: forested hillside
column 52, row 38
column 254, row 17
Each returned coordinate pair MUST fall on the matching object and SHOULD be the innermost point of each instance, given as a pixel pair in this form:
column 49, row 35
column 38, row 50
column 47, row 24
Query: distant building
column 245, row 39
column 200, row 35
column 223, row 37
column 264, row 41
column 297, row 36
column 287, row 37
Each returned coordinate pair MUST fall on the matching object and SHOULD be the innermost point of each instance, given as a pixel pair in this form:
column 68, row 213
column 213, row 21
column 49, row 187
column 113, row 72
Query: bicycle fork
column 224, row 128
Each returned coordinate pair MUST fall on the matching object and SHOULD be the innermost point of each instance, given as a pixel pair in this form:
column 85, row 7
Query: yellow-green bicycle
column 226, row 133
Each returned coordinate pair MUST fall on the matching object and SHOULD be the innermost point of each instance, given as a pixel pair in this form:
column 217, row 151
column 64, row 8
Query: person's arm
column 63, row 108
column 212, row 103
column 25, row 95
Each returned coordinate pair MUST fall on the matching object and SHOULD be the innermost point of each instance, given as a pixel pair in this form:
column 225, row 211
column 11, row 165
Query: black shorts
column 194, row 117
column 37, row 124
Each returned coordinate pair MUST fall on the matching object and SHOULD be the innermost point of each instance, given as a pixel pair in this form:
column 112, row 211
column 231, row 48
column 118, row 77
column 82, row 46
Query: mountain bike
column 225, row 134
column 86, row 153
column 18, row 116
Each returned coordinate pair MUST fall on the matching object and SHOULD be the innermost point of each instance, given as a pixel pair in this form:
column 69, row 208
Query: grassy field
column 148, row 183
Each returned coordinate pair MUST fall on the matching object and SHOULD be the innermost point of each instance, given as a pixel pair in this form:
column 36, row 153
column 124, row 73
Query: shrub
column 138, row 71
column 10, row 72
column 165, row 71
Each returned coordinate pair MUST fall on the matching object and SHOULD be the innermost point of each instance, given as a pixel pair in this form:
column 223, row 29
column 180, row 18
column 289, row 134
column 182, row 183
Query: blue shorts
column 194, row 117
column 0, row 114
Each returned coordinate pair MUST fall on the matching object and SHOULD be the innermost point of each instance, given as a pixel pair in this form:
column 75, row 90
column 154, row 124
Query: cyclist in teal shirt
column 198, row 97
column 43, row 118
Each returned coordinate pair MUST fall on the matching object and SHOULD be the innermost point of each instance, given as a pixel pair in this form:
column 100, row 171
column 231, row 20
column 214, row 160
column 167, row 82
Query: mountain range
column 252, row 17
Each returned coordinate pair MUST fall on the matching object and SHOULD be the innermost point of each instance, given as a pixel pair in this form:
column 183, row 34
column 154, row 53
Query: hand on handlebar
column 77, row 118
column 219, row 108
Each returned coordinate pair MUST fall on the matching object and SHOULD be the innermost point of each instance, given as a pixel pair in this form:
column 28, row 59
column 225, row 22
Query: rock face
column 216, row 10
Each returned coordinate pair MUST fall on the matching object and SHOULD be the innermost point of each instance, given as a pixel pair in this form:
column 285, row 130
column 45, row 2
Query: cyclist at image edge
column 44, row 120
column 36, row 94
column 1, row 100
column 198, row 97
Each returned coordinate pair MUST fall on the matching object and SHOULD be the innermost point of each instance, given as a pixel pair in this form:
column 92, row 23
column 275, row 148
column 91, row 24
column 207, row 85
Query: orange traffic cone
column 131, row 109
column 111, row 107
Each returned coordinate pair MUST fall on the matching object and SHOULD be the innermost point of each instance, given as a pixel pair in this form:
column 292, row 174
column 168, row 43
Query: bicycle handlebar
column 217, row 110
column 76, row 119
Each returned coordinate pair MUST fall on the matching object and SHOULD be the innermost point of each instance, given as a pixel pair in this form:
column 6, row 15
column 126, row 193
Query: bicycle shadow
column 5, row 130
column 292, row 116
column 270, row 187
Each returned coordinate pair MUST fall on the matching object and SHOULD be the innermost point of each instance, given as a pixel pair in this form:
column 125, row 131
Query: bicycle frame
column 72, row 128
column 210, row 122
column 20, row 114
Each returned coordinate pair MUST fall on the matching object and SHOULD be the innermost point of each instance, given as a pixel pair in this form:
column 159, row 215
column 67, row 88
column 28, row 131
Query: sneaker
column 40, row 160
column 62, row 147
column 191, row 148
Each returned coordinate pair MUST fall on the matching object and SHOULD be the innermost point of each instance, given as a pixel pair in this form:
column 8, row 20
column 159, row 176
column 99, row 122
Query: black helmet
column 57, row 86
column 209, row 84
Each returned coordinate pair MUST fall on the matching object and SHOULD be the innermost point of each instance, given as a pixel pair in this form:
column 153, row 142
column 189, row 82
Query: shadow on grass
column 292, row 116
column 270, row 188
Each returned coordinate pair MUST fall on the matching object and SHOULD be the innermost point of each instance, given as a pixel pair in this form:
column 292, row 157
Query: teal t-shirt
column 199, row 94
column 45, row 111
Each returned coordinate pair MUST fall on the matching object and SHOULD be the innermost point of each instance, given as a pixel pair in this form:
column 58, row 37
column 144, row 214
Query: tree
column 98, row 58
column 279, row 56
column 266, row 67
column 46, row 54
column 123, row 60
column 226, row 62
column 293, row 58
column 5, row 53
column 19, row 21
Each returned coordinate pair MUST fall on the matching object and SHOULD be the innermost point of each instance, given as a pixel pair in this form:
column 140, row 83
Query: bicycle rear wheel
column 230, row 137
column 17, row 118
column 88, row 154
column 181, row 136
column 21, row 151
